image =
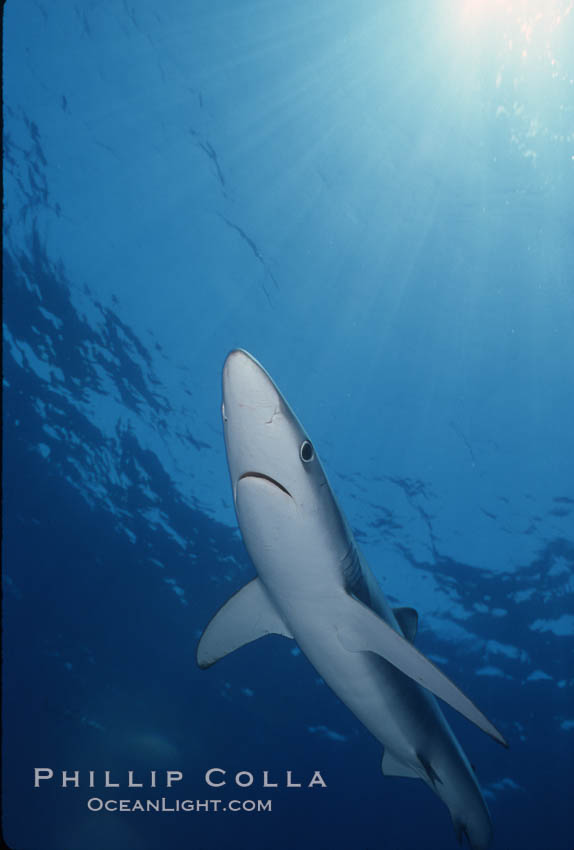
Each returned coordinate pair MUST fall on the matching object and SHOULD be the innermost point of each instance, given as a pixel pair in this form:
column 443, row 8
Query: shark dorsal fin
column 248, row 615
column 365, row 631
column 408, row 620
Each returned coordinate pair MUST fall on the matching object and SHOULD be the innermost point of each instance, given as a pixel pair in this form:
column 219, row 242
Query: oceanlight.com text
column 97, row 804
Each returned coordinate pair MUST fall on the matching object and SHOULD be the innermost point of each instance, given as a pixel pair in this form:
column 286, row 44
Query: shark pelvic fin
column 391, row 766
column 408, row 620
column 248, row 615
column 365, row 631
column 429, row 770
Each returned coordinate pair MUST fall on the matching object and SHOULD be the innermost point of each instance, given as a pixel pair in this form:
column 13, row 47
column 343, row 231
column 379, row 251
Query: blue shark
column 314, row 586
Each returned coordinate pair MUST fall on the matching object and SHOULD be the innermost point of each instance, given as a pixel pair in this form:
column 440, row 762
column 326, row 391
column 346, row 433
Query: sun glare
column 522, row 52
column 523, row 26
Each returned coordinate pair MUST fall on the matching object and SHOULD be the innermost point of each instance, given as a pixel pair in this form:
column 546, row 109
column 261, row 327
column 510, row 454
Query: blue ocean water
column 375, row 199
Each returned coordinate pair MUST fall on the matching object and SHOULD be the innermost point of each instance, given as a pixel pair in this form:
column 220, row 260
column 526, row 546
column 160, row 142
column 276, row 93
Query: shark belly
column 404, row 717
column 302, row 566
column 396, row 711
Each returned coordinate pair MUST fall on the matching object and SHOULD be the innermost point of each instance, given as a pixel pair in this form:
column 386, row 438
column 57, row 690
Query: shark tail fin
column 474, row 824
column 248, row 615
column 461, row 833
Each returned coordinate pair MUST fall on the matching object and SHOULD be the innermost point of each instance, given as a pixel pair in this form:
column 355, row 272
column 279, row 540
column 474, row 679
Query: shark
column 314, row 586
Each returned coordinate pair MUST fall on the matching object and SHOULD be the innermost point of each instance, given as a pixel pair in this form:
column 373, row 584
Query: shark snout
column 253, row 423
column 247, row 387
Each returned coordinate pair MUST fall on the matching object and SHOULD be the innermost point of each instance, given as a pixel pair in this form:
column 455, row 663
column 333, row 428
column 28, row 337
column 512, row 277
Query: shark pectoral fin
column 365, row 631
column 408, row 620
column 393, row 767
column 248, row 615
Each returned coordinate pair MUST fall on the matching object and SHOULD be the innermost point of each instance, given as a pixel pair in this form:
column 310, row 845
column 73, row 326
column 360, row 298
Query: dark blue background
column 375, row 200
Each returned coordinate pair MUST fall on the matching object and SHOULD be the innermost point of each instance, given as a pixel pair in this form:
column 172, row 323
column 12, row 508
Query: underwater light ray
column 514, row 57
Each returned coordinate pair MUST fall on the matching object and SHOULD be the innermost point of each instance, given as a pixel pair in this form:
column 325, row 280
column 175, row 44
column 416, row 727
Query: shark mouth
column 265, row 478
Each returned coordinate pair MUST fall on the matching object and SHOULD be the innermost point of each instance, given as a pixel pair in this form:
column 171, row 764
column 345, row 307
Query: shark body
column 314, row 586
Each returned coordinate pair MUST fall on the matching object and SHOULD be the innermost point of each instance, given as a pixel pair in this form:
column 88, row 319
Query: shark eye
column 306, row 451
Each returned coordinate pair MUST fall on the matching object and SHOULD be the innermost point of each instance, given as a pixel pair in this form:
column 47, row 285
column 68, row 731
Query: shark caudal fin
column 248, row 615
column 478, row 835
column 365, row 631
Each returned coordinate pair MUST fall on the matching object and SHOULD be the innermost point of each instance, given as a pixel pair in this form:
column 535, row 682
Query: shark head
column 279, row 486
column 263, row 437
